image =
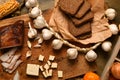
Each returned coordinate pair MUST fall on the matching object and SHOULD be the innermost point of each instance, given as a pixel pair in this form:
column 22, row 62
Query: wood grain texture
column 70, row 68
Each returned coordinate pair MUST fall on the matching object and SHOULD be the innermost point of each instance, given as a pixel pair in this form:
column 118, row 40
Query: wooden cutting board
column 70, row 68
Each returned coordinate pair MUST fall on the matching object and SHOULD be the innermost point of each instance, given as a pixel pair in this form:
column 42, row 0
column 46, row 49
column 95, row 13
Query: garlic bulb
column 39, row 22
column 31, row 3
column 27, row 4
column 114, row 29
column 32, row 33
column 72, row 53
column 91, row 56
column 47, row 34
column 119, row 27
column 106, row 46
column 35, row 12
column 110, row 13
column 57, row 44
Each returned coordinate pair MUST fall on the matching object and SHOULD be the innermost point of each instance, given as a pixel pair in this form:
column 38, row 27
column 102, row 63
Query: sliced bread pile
column 80, row 14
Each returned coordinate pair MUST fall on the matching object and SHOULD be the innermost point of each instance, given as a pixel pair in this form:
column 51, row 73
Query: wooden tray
column 70, row 68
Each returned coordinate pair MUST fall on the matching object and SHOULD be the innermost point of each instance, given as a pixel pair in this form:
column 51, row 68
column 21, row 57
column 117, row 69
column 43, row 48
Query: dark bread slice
column 88, row 17
column 82, row 29
column 70, row 6
column 12, row 35
column 83, row 9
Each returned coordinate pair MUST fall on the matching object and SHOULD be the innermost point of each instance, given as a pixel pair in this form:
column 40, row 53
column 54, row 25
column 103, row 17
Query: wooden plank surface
column 70, row 68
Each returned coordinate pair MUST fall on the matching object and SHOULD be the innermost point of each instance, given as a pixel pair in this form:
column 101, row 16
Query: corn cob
column 8, row 8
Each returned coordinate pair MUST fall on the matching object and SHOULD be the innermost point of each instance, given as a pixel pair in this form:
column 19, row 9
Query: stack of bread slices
column 80, row 14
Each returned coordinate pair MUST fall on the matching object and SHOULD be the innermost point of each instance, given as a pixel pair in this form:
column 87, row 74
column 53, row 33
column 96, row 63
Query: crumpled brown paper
column 59, row 22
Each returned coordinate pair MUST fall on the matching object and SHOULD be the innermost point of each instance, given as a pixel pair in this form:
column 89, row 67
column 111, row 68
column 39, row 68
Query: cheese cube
column 47, row 73
column 32, row 69
column 51, row 58
column 44, row 74
column 41, row 57
column 60, row 74
column 50, row 72
column 41, row 68
column 49, row 63
column 54, row 65
column 46, row 66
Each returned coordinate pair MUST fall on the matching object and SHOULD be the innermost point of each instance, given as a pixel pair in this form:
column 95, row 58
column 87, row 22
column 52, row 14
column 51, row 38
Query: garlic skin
column 106, row 46
column 32, row 33
column 114, row 29
column 47, row 34
column 35, row 12
column 39, row 22
column 72, row 53
column 110, row 13
column 91, row 56
column 57, row 44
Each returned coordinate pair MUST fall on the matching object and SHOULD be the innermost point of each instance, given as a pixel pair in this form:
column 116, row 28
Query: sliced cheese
column 32, row 69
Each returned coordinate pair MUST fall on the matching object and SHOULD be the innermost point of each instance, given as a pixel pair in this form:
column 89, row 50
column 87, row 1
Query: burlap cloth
column 100, row 31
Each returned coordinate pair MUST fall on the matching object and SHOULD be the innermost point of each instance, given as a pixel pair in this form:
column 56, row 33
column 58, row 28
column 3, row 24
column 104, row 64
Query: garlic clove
column 47, row 34
column 106, row 46
column 28, row 54
column 114, row 29
column 39, row 23
column 16, row 76
column 91, row 56
column 57, row 44
column 110, row 13
column 72, row 53
column 29, row 44
column 40, row 40
column 37, row 46
column 35, row 12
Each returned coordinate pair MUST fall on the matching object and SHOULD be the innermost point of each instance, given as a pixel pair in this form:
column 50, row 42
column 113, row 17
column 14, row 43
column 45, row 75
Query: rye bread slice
column 88, row 17
column 70, row 6
column 83, row 9
column 82, row 29
column 12, row 35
